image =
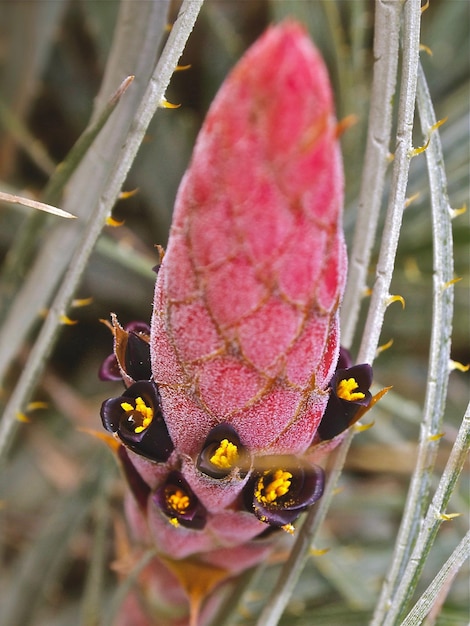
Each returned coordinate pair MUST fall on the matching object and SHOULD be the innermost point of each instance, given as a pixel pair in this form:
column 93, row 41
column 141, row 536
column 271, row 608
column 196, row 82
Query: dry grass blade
column 34, row 204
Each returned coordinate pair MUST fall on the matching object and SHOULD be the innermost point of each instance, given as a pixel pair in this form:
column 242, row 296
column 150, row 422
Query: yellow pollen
column 345, row 390
column 278, row 487
column 140, row 407
column 178, row 501
column 226, row 455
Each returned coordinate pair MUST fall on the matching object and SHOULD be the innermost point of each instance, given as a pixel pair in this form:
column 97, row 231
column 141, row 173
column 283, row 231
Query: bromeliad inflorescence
column 240, row 378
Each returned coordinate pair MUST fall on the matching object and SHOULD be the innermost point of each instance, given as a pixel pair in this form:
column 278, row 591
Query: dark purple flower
column 349, row 393
column 137, row 485
column 176, row 500
column 279, row 494
column 109, row 369
column 130, row 359
column 136, row 417
column 222, row 452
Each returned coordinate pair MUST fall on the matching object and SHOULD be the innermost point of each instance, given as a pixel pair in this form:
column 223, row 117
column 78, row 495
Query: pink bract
column 245, row 324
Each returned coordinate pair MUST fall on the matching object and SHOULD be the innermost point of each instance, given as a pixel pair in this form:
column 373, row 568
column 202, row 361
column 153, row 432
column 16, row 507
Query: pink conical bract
column 245, row 324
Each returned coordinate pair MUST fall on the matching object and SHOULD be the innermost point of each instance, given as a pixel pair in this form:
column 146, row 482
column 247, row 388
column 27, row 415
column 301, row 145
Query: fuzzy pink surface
column 245, row 327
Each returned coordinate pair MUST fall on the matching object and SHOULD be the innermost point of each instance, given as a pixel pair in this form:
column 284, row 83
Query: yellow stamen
column 145, row 411
column 288, row 528
column 345, row 390
column 226, row 455
column 178, row 501
column 278, row 487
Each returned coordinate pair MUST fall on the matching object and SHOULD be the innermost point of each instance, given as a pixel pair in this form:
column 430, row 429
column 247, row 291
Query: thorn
column 435, row 437
column 164, row 104
column 108, row 439
column 415, row 151
column 412, row 271
column 345, row 124
column 449, row 283
column 33, row 406
column 455, row 365
column 110, row 221
column 79, row 302
column 426, row 49
column 124, row 195
column 23, row 418
column 392, row 299
column 64, row 319
column 456, row 212
column 447, row 517
column 384, row 347
column 318, row 552
column 411, row 199
column 182, row 68
column 425, row 6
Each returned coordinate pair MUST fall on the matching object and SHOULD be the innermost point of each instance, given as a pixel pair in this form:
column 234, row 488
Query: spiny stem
column 430, row 526
column 377, row 159
column 438, row 370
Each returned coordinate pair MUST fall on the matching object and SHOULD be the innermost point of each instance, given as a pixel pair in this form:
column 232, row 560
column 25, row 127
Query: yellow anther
column 318, row 551
column 226, row 455
column 146, row 413
column 178, row 501
column 346, row 390
column 288, row 528
column 277, row 488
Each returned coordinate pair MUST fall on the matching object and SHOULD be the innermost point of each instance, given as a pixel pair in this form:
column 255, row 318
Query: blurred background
column 60, row 492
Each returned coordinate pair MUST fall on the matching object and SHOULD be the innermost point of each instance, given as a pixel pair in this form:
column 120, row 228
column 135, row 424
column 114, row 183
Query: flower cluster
column 240, row 378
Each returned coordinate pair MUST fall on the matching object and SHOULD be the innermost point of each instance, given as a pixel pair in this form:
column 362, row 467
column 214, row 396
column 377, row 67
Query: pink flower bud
column 245, row 325
column 217, row 446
